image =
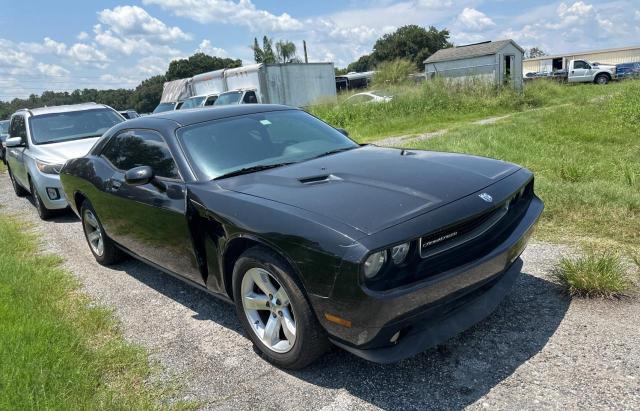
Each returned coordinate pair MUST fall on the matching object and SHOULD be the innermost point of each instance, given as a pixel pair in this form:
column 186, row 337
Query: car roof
column 198, row 115
column 64, row 109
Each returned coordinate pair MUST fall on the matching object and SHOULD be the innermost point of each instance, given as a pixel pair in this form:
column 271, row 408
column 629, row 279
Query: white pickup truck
column 582, row 71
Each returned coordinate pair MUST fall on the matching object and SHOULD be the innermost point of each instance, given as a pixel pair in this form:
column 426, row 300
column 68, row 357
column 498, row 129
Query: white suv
column 41, row 140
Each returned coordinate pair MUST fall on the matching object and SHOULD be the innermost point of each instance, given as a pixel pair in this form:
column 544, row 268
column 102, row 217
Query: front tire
column 602, row 79
column 43, row 211
column 274, row 311
column 103, row 248
column 17, row 188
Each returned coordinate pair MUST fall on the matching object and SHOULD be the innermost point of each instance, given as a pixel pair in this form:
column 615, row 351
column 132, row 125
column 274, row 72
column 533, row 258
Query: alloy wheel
column 268, row 310
column 94, row 232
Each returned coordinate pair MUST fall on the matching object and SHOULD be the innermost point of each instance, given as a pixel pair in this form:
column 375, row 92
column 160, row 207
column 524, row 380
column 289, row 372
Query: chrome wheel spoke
column 94, row 237
column 255, row 301
column 288, row 326
column 261, row 279
column 282, row 297
column 272, row 331
column 91, row 220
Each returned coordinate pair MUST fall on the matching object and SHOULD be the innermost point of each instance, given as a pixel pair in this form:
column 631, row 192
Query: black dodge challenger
column 316, row 239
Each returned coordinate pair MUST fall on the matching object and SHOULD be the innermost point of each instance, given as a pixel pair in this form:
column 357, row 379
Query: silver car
column 41, row 140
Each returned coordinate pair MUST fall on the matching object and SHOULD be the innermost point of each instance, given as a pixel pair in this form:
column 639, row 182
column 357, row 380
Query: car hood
column 373, row 188
column 63, row 151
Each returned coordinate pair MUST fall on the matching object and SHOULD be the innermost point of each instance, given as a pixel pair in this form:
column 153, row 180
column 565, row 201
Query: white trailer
column 209, row 83
column 292, row 84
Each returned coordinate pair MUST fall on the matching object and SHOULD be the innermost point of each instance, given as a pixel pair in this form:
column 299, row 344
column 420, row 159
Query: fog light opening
column 53, row 193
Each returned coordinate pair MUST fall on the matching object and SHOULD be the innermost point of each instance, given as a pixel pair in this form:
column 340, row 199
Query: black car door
column 149, row 220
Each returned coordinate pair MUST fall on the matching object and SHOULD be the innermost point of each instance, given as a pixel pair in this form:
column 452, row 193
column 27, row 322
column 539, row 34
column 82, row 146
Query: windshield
column 192, row 102
column 220, row 147
column 72, row 125
column 228, row 98
column 4, row 127
column 164, row 107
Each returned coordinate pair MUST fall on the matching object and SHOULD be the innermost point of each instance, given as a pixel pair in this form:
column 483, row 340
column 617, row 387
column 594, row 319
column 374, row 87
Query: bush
column 593, row 275
column 394, row 72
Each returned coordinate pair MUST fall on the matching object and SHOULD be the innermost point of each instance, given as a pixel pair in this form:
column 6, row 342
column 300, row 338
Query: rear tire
column 43, row 211
column 17, row 188
column 602, row 79
column 103, row 248
column 268, row 297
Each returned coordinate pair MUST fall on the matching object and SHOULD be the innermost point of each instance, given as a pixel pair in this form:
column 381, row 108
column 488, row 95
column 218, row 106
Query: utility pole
column 304, row 46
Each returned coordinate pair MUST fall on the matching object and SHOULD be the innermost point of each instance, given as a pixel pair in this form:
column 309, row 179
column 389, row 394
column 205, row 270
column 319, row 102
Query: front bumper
column 42, row 182
column 434, row 310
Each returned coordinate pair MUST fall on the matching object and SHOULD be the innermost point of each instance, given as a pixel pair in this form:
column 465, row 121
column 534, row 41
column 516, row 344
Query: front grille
column 474, row 238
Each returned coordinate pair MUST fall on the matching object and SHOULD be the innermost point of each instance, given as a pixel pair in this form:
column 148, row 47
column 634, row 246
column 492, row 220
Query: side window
column 136, row 148
column 210, row 100
column 579, row 64
column 250, row 98
column 18, row 127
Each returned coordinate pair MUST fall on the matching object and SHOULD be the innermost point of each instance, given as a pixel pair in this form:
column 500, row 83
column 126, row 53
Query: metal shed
column 499, row 62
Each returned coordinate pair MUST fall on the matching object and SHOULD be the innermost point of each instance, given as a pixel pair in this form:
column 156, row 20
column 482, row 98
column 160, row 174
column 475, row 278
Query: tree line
column 144, row 98
column 412, row 43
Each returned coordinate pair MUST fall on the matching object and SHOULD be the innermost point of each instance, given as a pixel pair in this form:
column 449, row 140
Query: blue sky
column 64, row 44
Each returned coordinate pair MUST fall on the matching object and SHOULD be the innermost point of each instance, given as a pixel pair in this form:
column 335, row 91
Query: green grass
column 594, row 275
column 57, row 350
column 435, row 105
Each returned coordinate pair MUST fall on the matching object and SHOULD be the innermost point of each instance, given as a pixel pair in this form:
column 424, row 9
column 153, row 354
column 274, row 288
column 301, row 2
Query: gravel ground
column 539, row 350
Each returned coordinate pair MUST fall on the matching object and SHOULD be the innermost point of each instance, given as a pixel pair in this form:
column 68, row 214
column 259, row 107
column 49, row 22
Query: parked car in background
column 628, row 70
column 129, row 114
column 382, row 251
column 582, row 71
column 168, row 106
column 199, row 101
column 369, row 97
column 4, row 132
column 42, row 139
column 233, row 97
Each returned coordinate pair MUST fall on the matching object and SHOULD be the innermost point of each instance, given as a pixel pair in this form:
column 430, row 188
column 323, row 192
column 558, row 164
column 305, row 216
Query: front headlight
column 48, row 168
column 374, row 263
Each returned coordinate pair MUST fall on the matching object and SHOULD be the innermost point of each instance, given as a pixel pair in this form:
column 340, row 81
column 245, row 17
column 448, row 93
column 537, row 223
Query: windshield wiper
column 252, row 169
column 337, row 150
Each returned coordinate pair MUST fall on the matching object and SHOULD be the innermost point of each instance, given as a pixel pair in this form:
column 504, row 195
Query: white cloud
column 82, row 35
column 130, row 45
column 474, row 20
column 152, row 65
column 12, row 56
column 85, row 53
column 242, row 13
column 134, row 21
column 206, row 47
column 52, row 70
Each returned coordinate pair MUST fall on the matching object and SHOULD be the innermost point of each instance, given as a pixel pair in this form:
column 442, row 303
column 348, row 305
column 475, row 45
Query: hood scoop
column 318, row 179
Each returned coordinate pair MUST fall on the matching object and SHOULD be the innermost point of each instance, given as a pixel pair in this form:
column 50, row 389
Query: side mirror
column 14, row 142
column 138, row 176
column 343, row 131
